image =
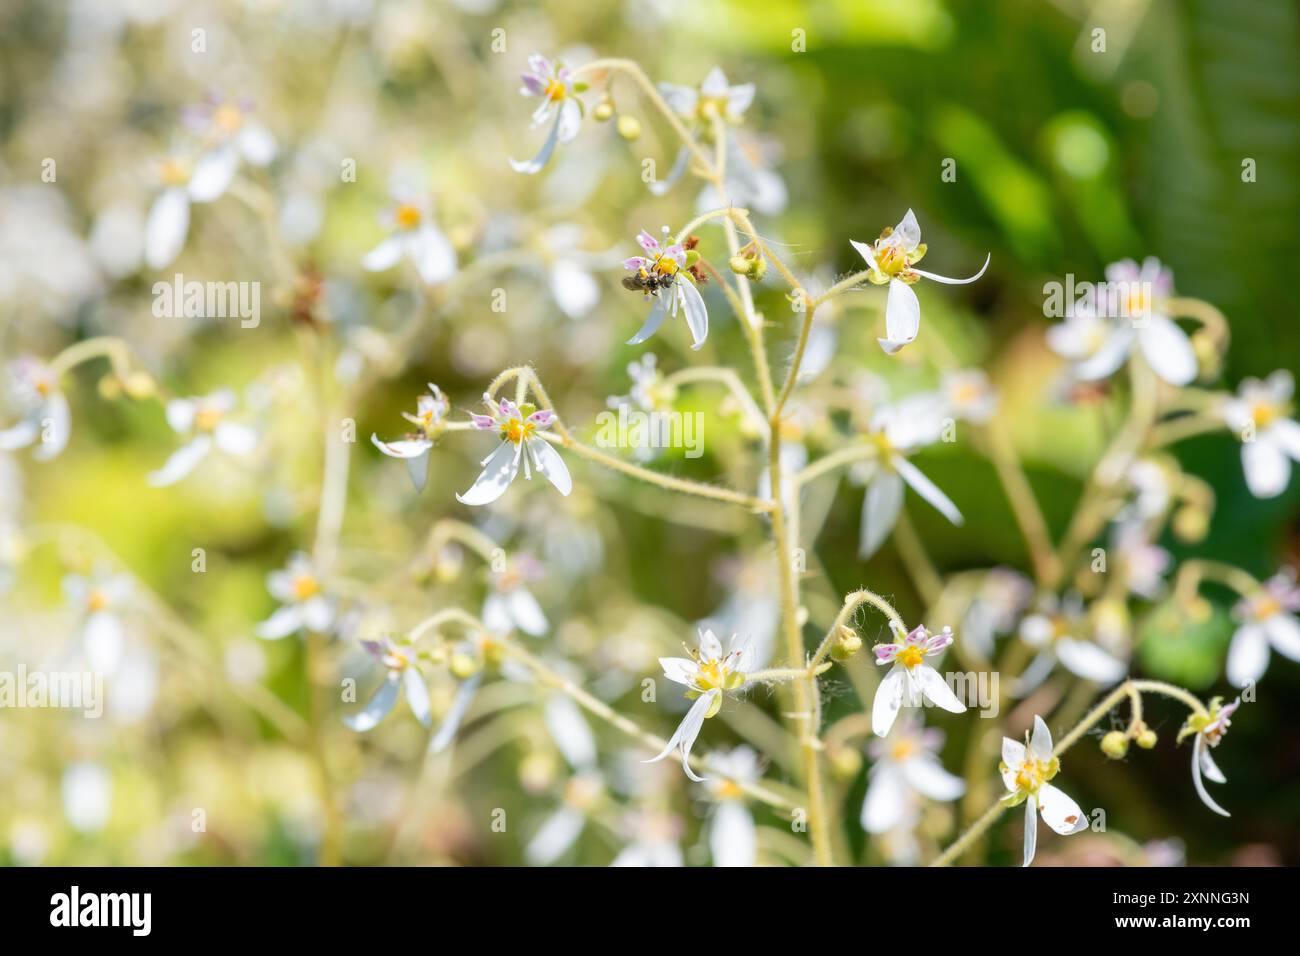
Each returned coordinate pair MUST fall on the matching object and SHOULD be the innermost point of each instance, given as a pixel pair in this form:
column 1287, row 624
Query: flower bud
column 1191, row 522
column 1115, row 744
column 462, row 665
column 740, row 265
column 847, row 643
column 603, row 112
column 109, row 387
column 1147, row 739
column 629, row 127
column 845, row 762
column 1209, row 357
column 140, row 385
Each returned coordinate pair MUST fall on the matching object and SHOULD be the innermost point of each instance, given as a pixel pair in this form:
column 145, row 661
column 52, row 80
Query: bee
column 643, row 281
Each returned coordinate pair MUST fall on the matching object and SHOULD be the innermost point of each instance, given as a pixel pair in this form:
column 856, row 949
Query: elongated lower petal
column 687, row 732
column 1197, row 745
column 181, row 462
column 499, row 470
column 928, row 490
column 888, row 700
column 902, row 317
column 550, row 464
column 376, row 709
column 936, row 689
column 880, row 507
column 1060, row 812
column 658, row 312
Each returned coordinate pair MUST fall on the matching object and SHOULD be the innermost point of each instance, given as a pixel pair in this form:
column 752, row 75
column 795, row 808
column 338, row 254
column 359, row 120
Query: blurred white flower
column 708, row 674
column 1058, row 632
column 413, row 234
column 910, row 681
column 1026, row 772
column 510, row 605
column 654, row 840
column 583, row 792
column 1266, row 619
column 87, row 796
column 98, row 600
column 905, row 766
column 663, row 269
column 46, row 417
column 401, row 672
column 1002, row 596
column 969, row 395
column 305, row 605
column 733, row 838
column 892, row 260
column 520, row 442
column 1259, row 415
column 203, row 421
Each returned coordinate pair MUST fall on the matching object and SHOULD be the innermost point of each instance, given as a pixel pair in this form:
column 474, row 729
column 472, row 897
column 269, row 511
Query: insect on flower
column 1207, row 729
column 664, row 275
column 707, row 674
column 910, row 679
column 1026, row 772
column 892, row 260
column 518, row 426
column 413, row 448
column 551, row 83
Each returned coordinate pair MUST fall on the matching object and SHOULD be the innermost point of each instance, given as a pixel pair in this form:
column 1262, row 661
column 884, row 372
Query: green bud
column 740, row 265
column 1147, row 739
column 462, row 666
column 629, row 127
column 603, row 112
column 1115, row 744
column 847, row 643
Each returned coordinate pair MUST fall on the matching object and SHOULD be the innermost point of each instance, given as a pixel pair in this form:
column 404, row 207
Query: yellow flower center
column 965, row 394
column 228, row 118
column 1267, row 606
column 891, row 259
column 729, row 790
column 666, row 266
column 408, row 217
column 903, row 748
column 206, row 419
column 516, row 430
column 554, row 91
column 1030, row 776
column 97, row 599
column 1137, row 301
column 305, row 586
column 909, row 657
column 1264, row 414
column 173, row 173
column 711, row 676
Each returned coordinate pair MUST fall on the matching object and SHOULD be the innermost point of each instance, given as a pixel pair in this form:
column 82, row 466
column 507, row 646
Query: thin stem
column 1024, row 506
column 836, row 459
column 851, row 604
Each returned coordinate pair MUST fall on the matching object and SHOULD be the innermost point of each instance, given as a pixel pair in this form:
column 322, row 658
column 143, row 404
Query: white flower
column 1003, row 594
column 707, row 674
column 520, row 441
column 203, row 174
column 1207, row 730
column 662, row 274
column 1057, row 631
column 1144, row 562
column 570, row 269
column 99, row 599
column 551, row 83
column 430, row 410
column 413, row 233
column 510, row 605
column 401, row 672
column 654, row 840
column 305, row 606
column 905, row 765
column 969, row 395
column 46, row 417
column 714, row 98
column 1098, row 337
column 584, row 792
column 1267, row 618
column 733, row 838
column 649, row 391
column 892, row 260
column 1026, row 772
column 910, row 680
column 1270, row 439
column 906, row 425
column 203, row 421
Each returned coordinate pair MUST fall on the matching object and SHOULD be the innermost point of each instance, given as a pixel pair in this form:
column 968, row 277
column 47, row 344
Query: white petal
column 936, row 689
column 946, row 280
column 866, row 252
column 1106, row 359
column 710, row 646
column 681, row 670
column 417, row 695
column 435, row 259
column 1286, row 435
column 165, row 229
column 181, row 462
column 213, row 173
column 888, row 699
column 1168, row 350
column 55, row 427
column 907, row 233
column 658, row 312
column 886, row 799
column 103, row 639
column 902, row 317
column 526, row 612
column 1089, row 661
column 576, row 290
column 180, row 413
column 733, row 839
column 927, row 489
column 317, row 614
column 257, row 144
column 451, row 723
column 1040, row 742
column 686, row 733
column 384, row 256
column 1284, row 634
column 1060, row 812
column 570, row 731
column 499, row 469
column 553, row 839
column 280, row 624
column 697, row 316
column 660, row 187
column 880, row 509
column 20, row 436
column 1268, row 470
column 927, row 776
column 538, row 162
column 1211, row 769
column 1031, row 831
column 235, row 439
column 1198, row 744
column 403, row 447
column 1247, row 655
column 376, row 709
column 549, row 463
column 1013, row 752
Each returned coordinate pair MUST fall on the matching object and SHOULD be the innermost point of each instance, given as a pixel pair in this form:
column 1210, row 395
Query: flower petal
column 658, row 312
column 1267, row 468
column 1197, row 745
column 417, row 695
column 554, row 837
column 570, row 731
column 526, row 612
column 537, row 163
column 927, row 777
column 499, row 469
column 1247, row 655
column 880, row 508
column 733, row 838
column 1168, row 350
column 435, row 259
column 1040, row 742
column 451, row 722
column 1284, row 634
column 385, row 255
column 886, row 799
column 1060, row 812
column 550, row 464
column 1089, row 661
column 182, row 461
column 166, row 227
column 902, row 317
column 946, row 280
column 687, row 731
column 1031, row 831
column 697, row 315
column 888, row 699
column 936, row 689
column 280, row 624
column 680, row 670
column 927, row 489
column 213, row 173
column 376, row 709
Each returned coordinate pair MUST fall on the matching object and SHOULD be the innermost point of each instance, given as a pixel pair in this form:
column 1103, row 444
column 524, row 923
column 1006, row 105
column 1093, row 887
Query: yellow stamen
column 910, row 656
column 408, row 217
column 97, row 599
column 305, row 586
